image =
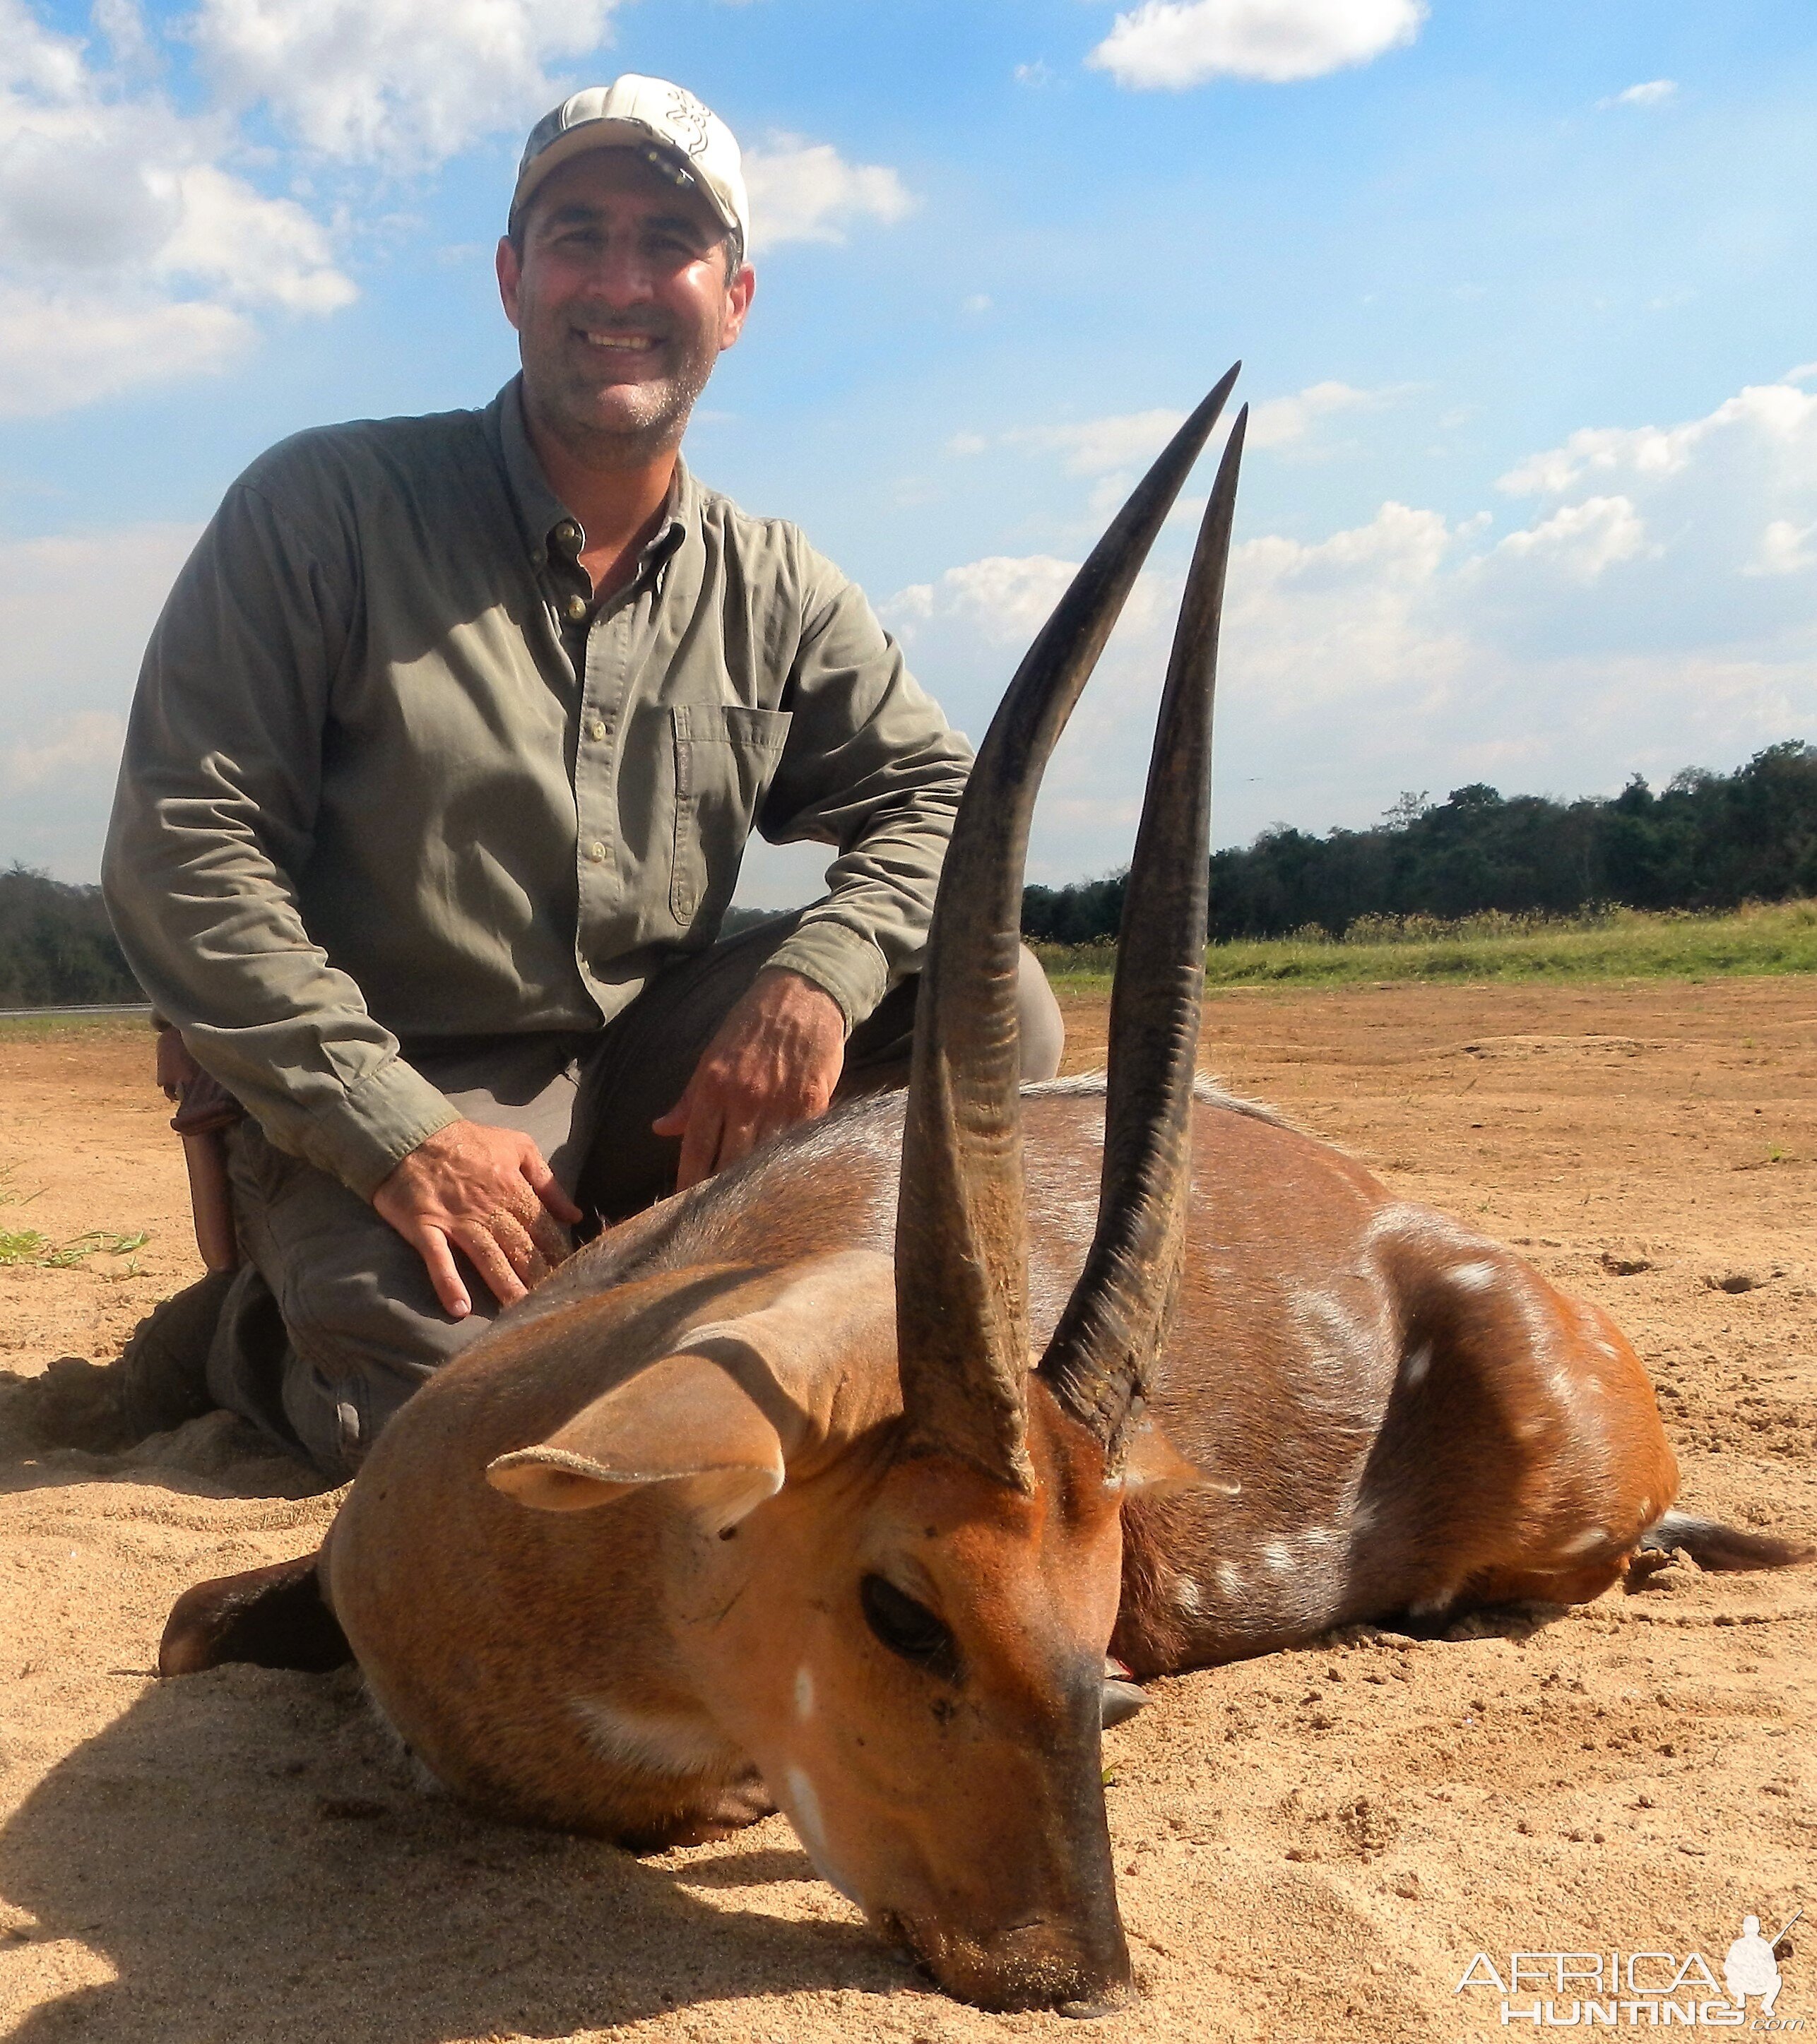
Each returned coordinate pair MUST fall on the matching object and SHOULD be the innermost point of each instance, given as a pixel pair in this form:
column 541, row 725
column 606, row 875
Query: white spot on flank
column 1277, row 1557
column 1414, row 1367
column 1592, row 1536
column 804, row 1692
column 1230, row 1580
column 804, row 1811
column 1186, row 1594
column 1607, row 1349
column 1473, row 1277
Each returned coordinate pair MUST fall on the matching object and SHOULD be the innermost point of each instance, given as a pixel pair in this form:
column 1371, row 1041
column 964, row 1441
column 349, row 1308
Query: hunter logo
column 688, row 118
column 1567, row 1990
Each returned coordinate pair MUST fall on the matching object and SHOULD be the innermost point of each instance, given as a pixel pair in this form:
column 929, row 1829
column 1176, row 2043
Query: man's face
column 622, row 304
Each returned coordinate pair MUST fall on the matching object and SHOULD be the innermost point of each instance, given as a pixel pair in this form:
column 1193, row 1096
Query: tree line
column 1706, row 841
column 56, row 947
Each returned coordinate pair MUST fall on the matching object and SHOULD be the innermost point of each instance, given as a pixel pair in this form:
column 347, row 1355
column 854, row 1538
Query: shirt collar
column 540, row 511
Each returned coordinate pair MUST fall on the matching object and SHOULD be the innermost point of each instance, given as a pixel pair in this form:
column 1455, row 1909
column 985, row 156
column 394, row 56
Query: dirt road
column 1315, row 1846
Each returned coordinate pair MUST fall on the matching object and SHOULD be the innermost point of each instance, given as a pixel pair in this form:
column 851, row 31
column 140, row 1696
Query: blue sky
column 1526, row 293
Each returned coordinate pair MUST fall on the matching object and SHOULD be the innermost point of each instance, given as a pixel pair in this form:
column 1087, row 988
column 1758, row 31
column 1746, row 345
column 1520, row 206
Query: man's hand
column 774, row 1061
column 487, row 1192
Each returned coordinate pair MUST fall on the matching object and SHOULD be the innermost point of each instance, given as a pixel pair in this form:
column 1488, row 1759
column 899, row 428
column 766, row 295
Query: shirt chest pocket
column 725, row 757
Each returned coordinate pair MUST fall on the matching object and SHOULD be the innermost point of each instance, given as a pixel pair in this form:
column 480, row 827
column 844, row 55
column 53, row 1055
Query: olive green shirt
column 391, row 773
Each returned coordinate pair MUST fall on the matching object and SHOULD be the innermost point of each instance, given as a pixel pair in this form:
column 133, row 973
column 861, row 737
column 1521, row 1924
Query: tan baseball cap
column 674, row 132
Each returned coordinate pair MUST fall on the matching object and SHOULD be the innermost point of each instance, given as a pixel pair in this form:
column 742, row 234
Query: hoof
column 1121, row 1701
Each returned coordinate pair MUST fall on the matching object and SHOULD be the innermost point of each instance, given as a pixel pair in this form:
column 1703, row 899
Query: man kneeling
column 442, row 761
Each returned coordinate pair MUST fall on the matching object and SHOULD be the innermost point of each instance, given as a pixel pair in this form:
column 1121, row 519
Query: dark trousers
column 331, row 1322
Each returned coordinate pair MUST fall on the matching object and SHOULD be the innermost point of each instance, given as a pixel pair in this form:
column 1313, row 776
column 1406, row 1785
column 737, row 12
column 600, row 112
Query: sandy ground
column 1312, row 1846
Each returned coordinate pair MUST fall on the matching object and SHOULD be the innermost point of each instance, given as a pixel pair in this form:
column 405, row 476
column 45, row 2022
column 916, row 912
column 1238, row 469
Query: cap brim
column 611, row 134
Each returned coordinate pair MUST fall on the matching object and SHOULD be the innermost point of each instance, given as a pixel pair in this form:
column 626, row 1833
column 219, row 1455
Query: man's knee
column 333, row 1322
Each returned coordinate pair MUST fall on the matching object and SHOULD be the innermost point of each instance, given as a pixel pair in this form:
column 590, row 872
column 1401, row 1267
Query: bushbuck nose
column 1079, row 1968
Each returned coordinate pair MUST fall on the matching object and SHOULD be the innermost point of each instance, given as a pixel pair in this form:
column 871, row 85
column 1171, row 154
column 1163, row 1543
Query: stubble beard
column 652, row 416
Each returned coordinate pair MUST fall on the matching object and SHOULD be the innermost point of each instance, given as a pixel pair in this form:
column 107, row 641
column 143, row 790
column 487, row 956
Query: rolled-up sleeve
column 873, row 767
column 214, row 818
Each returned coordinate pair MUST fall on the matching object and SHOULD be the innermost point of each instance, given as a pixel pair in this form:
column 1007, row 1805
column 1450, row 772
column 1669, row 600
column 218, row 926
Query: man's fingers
column 737, row 1140
column 544, row 1183
column 486, row 1255
column 773, row 1116
column 699, row 1147
column 675, row 1122
column 551, row 1244
column 512, row 1234
column 431, row 1245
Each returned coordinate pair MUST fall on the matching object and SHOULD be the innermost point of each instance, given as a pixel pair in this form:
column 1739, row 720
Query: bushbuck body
column 764, row 1498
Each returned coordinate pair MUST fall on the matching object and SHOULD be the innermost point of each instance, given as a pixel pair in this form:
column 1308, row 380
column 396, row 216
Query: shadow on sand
column 242, row 1850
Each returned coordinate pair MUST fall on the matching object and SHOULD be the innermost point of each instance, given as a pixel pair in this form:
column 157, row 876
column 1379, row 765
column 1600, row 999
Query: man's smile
column 630, row 344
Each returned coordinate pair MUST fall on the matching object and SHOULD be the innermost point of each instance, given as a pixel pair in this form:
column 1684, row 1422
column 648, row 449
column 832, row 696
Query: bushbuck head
column 897, row 1560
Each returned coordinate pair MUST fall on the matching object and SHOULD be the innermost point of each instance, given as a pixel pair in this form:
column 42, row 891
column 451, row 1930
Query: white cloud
column 1004, row 598
column 807, row 191
column 1115, row 449
column 75, row 611
column 1655, row 92
column 1172, row 45
column 1658, row 616
column 122, row 23
column 90, row 739
column 389, row 82
column 127, row 252
column 1095, row 446
column 1785, row 549
column 1278, row 421
column 1763, row 415
column 1582, row 539
column 61, row 349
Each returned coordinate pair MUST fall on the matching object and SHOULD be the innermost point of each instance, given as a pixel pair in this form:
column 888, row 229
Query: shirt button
column 568, row 532
column 596, row 728
column 574, row 608
column 596, row 852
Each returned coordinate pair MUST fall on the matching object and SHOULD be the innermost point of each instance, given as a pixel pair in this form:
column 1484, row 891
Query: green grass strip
column 1615, row 943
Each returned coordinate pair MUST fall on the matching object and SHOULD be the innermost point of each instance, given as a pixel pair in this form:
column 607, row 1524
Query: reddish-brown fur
column 1395, row 1413
column 1307, row 1287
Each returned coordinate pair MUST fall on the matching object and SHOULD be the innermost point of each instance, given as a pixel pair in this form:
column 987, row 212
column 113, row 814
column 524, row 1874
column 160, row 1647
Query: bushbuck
column 830, row 1484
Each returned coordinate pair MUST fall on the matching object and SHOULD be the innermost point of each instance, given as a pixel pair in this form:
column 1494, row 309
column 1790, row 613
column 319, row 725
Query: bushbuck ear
column 1152, row 1465
column 682, row 1419
column 727, row 1408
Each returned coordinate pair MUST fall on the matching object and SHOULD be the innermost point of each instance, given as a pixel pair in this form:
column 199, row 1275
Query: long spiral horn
column 1106, row 1341
column 961, row 1240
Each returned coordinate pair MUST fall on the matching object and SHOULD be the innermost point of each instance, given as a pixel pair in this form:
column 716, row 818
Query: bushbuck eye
column 908, row 1628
